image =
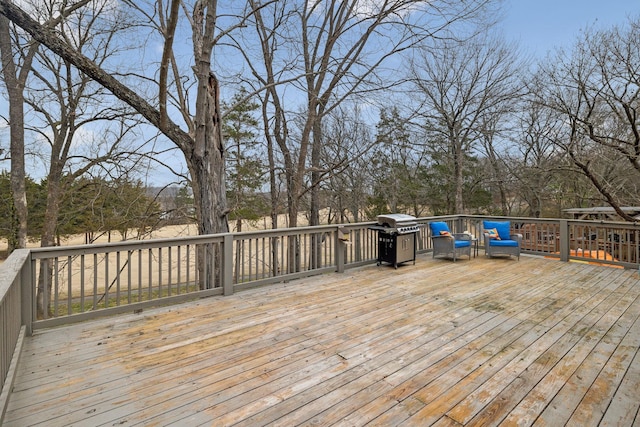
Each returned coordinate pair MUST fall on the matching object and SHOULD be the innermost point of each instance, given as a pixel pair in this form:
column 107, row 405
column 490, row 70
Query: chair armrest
column 461, row 236
column 517, row 237
column 442, row 237
column 486, row 239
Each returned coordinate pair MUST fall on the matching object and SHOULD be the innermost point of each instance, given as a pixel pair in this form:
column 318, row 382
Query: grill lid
column 396, row 220
column 397, row 223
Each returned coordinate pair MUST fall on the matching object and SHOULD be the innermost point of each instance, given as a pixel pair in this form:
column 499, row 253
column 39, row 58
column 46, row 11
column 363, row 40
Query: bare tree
column 315, row 55
column 345, row 133
column 201, row 144
column 465, row 88
column 336, row 50
column 14, row 83
column 68, row 109
column 17, row 55
column 537, row 163
column 596, row 90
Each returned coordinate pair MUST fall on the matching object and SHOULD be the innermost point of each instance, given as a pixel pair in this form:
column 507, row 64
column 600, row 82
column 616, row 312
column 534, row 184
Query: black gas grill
column 396, row 238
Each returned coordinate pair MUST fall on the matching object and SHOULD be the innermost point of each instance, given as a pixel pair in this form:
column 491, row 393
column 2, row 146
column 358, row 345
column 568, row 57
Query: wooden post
column 341, row 248
column 564, row 240
column 227, row 264
column 27, row 274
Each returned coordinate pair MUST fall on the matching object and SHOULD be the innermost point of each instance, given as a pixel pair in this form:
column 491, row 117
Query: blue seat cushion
column 462, row 243
column 503, row 228
column 437, row 227
column 507, row 242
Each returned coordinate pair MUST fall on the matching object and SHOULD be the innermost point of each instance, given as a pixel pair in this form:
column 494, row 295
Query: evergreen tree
column 245, row 169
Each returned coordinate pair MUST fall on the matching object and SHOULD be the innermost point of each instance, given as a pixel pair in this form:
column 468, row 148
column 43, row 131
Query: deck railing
column 14, row 323
column 45, row 287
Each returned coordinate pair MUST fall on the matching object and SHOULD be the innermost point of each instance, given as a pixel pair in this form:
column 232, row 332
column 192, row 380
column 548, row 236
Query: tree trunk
column 206, row 166
column 16, row 124
column 458, row 167
column 203, row 151
column 45, row 282
column 316, row 151
column 293, row 202
column 274, row 194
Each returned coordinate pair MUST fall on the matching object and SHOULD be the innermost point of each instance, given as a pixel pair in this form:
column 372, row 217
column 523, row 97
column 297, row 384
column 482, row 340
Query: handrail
column 46, row 287
column 14, row 318
column 79, row 282
column 83, row 281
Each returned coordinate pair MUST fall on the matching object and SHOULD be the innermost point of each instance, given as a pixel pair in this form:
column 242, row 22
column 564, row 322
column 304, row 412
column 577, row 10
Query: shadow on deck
column 480, row 341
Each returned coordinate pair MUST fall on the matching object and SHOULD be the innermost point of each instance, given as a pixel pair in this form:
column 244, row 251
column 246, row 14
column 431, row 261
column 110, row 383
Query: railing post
column 341, row 247
column 564, row 240
column 459, row 227
column 227, row 264
column 27, row 294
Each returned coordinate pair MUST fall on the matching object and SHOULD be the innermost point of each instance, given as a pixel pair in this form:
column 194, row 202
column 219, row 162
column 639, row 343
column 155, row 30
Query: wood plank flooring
column 475, row 342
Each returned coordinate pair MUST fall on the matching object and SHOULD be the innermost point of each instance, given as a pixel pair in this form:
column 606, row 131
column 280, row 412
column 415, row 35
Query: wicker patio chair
column 447, row 244
column 498, row 239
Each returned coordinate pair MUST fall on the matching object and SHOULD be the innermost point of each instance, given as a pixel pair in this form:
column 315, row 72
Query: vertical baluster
column 265, row 257
column 106, row 280
column 259, row 256
column 179, row 266
column 188, row 265
column 56, row 285
column 329, row 239
column 45, row 288
column 95, row 281
column 118, row 278
column 300, row 251
column 249, row 264
column 214, row 267
column 129, row 278
column 159, row 272
column 69, row 286
column 169, row 268
column 236, row 248
column 149, row 274
column 284, row 245
column 82, row 277
column 205, row 268
column 284, row 262
column 242, row 248
column 139, row 275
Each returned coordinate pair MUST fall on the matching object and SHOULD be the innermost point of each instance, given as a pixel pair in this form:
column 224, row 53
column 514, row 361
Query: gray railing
column 50, row 286
column 596, row 242
column 79, row 282
column 15, row 282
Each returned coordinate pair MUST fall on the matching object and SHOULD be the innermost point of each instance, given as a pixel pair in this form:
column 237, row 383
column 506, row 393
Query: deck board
column 475, row 342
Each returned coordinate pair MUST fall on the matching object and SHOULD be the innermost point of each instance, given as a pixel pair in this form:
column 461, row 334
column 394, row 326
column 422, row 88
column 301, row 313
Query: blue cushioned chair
column 451, row 245
column 506, row 244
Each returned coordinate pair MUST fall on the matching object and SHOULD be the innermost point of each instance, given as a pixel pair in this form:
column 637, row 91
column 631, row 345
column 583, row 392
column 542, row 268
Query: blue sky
column 538, row 25
column 542, row 25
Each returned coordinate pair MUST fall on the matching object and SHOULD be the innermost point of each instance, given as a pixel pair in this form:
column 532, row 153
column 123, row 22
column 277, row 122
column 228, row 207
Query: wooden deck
column 476, row 342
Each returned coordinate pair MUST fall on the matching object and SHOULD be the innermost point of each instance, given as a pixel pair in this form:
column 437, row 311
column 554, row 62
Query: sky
column 541, row 26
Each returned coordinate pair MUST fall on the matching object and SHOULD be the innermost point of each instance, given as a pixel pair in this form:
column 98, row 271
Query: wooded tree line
column 92, row 207
column 295, row 106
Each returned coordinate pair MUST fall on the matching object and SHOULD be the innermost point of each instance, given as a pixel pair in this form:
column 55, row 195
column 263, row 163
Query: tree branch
column 48, row 38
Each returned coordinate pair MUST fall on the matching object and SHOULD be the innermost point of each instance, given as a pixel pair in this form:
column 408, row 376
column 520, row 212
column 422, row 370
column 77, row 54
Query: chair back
column 438, row 226
column 502, row 227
